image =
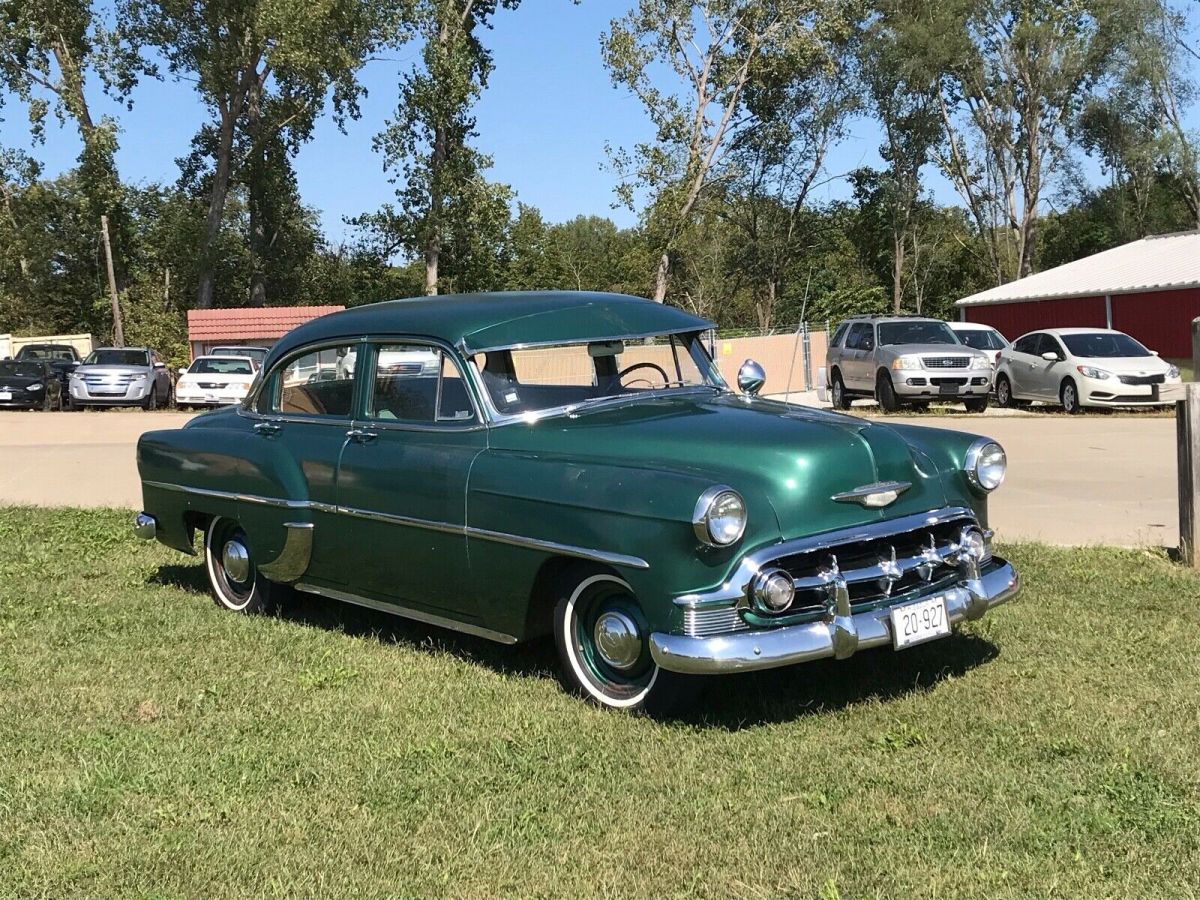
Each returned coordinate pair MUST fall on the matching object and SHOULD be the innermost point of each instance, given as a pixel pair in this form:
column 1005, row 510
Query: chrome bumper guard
column 839, row 636
column 144, row 526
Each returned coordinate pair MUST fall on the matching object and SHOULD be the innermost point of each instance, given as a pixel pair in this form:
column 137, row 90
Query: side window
column 1027, row 344
column 318, row 383
column 838, row 334
column 418, row 384
column 1050, row 344
column 853, row 338
column 867, row 341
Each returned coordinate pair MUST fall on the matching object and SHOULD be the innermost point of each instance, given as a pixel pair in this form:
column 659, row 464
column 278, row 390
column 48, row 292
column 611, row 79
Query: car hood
column 1126, row 365
column 111, row 370
column 18, row 381
column 792, row 458
column 224, row 378
column 933, row 349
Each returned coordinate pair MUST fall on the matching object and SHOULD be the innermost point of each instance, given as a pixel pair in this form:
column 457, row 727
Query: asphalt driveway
column 1072, row 480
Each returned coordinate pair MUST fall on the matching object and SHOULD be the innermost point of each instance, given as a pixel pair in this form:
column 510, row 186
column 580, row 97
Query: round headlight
column 986, row 465
column 774, row 589
column 720, row 517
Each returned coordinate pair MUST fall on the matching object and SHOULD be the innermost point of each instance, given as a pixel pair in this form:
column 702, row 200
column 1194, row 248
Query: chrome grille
column 1142, row 379
column 707, row 622
column 946, row 362
column 874, row 570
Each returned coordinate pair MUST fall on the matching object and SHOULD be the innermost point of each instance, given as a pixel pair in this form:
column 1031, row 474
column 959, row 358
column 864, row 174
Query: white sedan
column 1084, row 367
column 215, row 381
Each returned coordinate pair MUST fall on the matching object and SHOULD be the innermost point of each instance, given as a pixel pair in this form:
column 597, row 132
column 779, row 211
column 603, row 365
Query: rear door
column 853, row 360
column 1021, row 358
column 1046, row 375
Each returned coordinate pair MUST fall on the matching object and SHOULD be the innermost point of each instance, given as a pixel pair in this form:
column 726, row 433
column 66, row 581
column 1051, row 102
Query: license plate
column 212, row 395
column 5, row 395
column 947, row 388
column 917, row 622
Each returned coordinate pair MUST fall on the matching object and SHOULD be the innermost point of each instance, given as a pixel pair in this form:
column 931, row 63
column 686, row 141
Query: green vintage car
column 511, row 465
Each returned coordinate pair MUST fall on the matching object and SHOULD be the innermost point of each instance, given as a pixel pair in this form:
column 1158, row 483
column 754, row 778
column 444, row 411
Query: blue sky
column 545, row 117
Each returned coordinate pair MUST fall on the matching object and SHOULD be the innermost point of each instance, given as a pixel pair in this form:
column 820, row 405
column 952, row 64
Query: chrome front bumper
column 840, row 637
column 144, row 526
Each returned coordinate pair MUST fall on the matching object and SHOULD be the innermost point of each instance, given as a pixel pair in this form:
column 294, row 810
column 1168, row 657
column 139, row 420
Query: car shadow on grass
column 729, row 702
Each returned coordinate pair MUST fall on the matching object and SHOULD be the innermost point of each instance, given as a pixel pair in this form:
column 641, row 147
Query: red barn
column 1149, row 289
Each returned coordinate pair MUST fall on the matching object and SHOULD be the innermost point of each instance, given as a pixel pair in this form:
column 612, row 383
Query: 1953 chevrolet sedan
column 510, row 465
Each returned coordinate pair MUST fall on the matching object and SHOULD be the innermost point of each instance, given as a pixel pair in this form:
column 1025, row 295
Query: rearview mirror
column 751, row 378
column 1050, row 356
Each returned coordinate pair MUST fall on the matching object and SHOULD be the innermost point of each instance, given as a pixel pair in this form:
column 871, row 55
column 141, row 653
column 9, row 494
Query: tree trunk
column 898, row 258
column 662, row 278
column 216, row 209
column 256, row 172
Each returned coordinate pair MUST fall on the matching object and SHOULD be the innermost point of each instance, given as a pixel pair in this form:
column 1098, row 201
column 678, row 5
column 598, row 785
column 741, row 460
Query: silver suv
column 121, row 376
column 904, row 360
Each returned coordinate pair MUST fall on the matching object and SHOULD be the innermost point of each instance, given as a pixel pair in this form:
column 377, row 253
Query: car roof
column 970, row 326
column 500, row 320
column 887, row 317
column 1081, row 331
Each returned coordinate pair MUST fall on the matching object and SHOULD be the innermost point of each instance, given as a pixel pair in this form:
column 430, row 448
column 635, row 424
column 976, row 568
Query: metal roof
column 503, row 319
column 1163, row 262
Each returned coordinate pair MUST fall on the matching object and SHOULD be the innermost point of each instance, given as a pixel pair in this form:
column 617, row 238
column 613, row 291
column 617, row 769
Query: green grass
column 152, row 745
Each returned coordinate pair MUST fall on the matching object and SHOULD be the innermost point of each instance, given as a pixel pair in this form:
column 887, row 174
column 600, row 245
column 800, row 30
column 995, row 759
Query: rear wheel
column 838, row 391
column 1004, row 394
column 885, row 393
column 603, row 643
column 233, row 577
column 1068, row 394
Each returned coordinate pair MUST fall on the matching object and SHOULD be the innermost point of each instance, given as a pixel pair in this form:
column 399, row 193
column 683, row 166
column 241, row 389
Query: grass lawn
column 151, row 745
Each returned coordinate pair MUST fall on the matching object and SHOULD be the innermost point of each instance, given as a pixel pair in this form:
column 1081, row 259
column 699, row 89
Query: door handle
column 360, row 436
column 266, row 429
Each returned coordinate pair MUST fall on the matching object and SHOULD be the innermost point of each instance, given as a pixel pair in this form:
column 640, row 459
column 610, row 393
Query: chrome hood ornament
column 874, row 496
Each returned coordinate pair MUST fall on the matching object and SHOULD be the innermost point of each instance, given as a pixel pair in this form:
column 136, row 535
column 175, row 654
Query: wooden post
column 1187, row 431
column 118, row 325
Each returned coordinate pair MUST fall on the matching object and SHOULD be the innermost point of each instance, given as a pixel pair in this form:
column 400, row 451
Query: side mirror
column 183, row 370
column 1154, row 353
column 1050, row 356
column 751, row 378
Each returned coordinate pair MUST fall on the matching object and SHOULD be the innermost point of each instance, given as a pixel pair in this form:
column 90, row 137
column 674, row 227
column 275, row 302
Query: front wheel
column 976, row 406
column 603, row 643
column 151, row 402
column 885, row 393
column 1068, row 394
column 233, row 577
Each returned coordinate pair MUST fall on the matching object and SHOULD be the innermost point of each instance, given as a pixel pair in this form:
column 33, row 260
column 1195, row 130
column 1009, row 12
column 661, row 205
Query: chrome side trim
column 407, row 613
column 769, row 648
column 735, row 587
column 499, row 537
column 292, row 561
column 616, row 559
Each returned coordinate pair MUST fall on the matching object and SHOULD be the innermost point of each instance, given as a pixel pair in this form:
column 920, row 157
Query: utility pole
column 118, row 327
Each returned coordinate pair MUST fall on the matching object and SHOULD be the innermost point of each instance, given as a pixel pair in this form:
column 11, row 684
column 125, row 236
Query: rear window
column 204, row 366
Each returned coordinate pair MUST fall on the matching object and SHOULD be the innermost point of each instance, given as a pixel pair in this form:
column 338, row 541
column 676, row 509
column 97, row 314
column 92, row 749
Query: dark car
column 63, row 358
column 29, row 385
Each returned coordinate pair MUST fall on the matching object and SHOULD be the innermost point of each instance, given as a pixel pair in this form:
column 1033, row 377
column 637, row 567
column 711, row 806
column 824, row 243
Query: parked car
column 29, row 384
column 121, row 376
column 904, row 360
column 215, row 381
column 258, row 354
column 980, row 337
column 577, row 466
column 63, row 358
column 1084, row 367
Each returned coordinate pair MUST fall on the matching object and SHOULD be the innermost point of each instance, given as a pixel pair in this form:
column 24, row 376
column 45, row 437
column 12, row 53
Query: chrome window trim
column 499, row 537
column 406, row 612
column 733, row 590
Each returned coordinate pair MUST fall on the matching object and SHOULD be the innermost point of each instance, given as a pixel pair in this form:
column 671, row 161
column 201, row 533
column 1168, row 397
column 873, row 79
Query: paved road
column 1072, row 480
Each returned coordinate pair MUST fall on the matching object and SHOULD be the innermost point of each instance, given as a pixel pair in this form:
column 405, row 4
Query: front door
column 402, row 480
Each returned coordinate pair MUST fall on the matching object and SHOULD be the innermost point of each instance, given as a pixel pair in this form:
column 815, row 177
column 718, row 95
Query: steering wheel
column 642, row 365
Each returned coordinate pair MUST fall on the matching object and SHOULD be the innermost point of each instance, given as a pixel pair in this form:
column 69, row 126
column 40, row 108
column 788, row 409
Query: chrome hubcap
column 618, row 640
column 236, row 561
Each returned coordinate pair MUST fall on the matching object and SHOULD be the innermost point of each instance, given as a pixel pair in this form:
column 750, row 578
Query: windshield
column 569, row 375
column 1103, row 345
column 52, row 353
column 21, row 369
column 208, row 366
column 916, row 333
column 982, row 339
column 258, row 354
column 114, row 357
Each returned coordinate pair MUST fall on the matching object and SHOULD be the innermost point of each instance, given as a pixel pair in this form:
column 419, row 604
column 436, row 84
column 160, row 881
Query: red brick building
column 1149, row 289
column 258, row 326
